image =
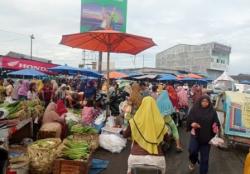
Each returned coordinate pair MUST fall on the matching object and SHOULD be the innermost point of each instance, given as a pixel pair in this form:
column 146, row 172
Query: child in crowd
column 88, row 113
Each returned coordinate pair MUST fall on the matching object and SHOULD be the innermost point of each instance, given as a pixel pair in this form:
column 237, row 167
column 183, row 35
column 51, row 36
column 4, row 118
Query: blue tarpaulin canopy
column 65, row 69
column 167, row 77
column 28, row 72
column 90, row 73
column 192, row 80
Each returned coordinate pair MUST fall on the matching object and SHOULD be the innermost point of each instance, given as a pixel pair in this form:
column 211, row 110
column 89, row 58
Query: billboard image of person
column 103, row 14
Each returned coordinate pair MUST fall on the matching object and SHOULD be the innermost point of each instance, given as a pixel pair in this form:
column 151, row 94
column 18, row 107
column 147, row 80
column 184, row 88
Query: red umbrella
column 194, row 76
column 108, row 41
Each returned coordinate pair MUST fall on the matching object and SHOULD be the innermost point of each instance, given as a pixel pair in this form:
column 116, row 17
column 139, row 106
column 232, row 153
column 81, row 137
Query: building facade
column 210, row 59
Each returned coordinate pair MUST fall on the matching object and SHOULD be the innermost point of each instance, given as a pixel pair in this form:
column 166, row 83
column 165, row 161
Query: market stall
column 18, row 115
column 233, row 112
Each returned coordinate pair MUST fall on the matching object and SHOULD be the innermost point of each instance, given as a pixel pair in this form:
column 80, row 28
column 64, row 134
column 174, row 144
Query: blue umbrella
column 65, row 69
column 90, row 73
column 28, row 72
column 167, row 77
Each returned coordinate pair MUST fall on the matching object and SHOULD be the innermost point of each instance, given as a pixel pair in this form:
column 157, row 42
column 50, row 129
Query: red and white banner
column 18, row 64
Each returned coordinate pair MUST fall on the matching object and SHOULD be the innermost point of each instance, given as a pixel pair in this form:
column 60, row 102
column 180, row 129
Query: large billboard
column 103, row 14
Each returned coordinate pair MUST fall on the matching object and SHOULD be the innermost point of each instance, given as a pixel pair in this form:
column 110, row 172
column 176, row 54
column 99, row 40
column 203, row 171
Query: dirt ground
column 221, row 161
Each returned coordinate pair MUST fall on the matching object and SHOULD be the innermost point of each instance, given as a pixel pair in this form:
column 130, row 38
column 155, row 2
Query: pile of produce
column 72, row 119
column 76, row 112
column 75, row 150
column 23, row 109
column 80, row 129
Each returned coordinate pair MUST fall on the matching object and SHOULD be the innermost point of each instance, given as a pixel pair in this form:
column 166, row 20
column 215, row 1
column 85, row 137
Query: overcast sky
column 167, row 22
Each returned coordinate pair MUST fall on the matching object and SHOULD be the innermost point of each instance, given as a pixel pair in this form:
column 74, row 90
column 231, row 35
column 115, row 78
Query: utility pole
column 143, row 63
column 100, row 62
column 31, row 44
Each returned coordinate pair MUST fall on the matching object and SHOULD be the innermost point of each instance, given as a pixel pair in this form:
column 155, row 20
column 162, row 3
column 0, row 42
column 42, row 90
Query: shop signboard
column 18, row 64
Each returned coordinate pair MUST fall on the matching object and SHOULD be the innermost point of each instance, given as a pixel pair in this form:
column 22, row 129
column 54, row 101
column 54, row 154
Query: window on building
column 217, row 61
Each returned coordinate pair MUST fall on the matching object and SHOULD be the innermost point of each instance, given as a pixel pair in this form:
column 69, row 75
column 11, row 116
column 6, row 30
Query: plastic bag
column 100, row 119
column 112, row 142
column 216, row 141
column 110, row 121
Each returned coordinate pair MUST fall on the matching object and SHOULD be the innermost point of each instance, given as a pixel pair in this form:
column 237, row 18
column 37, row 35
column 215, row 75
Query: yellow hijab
column 148, row 127
column 39, row 84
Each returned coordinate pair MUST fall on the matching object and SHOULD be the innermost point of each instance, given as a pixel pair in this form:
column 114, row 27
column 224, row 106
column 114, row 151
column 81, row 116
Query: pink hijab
column 24, row 88
column 183, row 97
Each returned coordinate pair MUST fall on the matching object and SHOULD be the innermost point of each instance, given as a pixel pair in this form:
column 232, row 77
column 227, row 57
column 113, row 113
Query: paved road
column 221, row 162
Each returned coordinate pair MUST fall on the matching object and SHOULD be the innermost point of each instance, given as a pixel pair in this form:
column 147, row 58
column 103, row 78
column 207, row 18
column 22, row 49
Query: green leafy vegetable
column 83, row 129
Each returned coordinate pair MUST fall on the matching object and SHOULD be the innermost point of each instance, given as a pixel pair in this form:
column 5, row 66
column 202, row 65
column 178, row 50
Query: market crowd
column 146, row 109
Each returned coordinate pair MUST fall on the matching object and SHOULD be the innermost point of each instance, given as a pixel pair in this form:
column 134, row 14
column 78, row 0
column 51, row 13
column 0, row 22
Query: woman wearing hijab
column 135, row 97
column 90, row 91
column 160, row 88
column 2, row 91
column 52, row 120
column 147, row 129
column 173, row 96
column 16, row 89
column 54, row 86
column 9, row 89
column 203, row 124
column 39, row 85
column 154, row 92
column 128, row 89
column 166, row 109
column 196, row 93
column 182, row 97
column 23, row 90
column 61, row 92
column 47, row 92
column 32, row 93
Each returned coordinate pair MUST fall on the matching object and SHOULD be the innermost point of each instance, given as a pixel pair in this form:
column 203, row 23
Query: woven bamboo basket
column 41, row 159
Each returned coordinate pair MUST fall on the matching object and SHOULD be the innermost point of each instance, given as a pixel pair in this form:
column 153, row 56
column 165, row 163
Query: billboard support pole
column 31, row 45
column 100, row 62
